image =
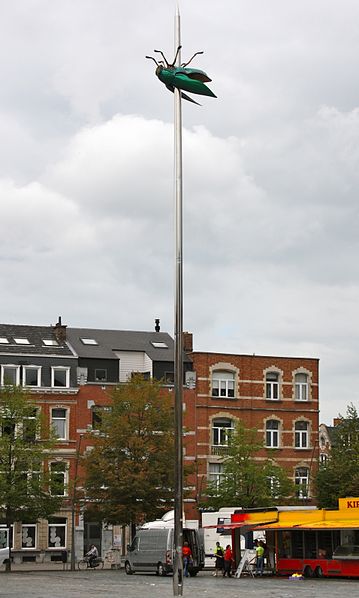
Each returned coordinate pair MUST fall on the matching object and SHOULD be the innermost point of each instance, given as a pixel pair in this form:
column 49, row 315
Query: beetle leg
column 190, row 60
column 175, row 58
column 151, row 58
column 164, row 57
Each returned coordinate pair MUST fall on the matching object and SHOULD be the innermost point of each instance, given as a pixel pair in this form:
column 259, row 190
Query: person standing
column 218, row 553
column 187, row 558
column 228, row 558
column 260, row 558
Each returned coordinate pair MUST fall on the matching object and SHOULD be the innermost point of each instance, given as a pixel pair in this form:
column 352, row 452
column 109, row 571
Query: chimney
column 157, row 325
column 60, row 331
column 187, row 342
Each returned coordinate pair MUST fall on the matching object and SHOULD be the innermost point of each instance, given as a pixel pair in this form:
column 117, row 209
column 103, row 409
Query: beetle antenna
column 164, row 57
column 190, row 60
column 151, row 58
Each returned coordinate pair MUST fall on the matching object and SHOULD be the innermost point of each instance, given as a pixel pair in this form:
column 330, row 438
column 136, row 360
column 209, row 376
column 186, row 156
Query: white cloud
column 270, row 187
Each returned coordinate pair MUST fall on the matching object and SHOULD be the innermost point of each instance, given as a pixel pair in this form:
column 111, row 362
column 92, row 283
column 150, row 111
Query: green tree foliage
column 247, row 482
column 339, row 476
column 24, row 481
column 130, row 470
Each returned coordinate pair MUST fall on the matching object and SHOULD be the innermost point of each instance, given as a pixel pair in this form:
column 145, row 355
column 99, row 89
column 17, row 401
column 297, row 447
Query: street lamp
column 73, row 504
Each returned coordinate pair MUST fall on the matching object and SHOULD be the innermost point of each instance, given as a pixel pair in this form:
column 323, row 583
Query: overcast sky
column 270, row 175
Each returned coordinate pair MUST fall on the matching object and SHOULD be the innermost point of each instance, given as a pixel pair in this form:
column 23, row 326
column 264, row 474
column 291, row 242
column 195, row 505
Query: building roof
column 96, row 343
column 34, row 337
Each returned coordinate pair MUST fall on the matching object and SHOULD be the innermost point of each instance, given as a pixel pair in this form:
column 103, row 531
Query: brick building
column 276, row 395
column 71, row 371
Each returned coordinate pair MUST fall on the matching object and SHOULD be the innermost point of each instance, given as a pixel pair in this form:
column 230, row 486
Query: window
column 3, row 341
column 273, row 486
column 58, row 421
column 223, row 384
column 28, row 536
column 30, row 426
column 57, row 533
column 100, row 375
column 159, row 345
column 323, row 458
column 60, row 377
column 169, row 378
column 215, row 474
column 302, row 482
column 31, row 375
column 97, row 415
column 221, row 430
column 301, row 435
column 10, row 375
column 21, row 341
column 58, row 478
column 301, row 387
column 272, row 433
column 272, row 386
column 88, row 341
column 50, row 342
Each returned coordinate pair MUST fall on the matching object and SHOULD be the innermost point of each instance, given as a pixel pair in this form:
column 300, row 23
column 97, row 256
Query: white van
column 4, row 544
column 152, row 551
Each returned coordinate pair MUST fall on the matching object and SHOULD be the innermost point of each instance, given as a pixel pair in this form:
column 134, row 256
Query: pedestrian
column 187, row 558
column 228, row 558
column 219, row 554
column 260, row 558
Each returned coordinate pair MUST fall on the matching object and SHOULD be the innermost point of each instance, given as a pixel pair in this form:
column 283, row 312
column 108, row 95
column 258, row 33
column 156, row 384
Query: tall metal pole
column 178, row 503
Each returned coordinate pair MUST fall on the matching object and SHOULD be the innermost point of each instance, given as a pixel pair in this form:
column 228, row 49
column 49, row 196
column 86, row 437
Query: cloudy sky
column 270, row 175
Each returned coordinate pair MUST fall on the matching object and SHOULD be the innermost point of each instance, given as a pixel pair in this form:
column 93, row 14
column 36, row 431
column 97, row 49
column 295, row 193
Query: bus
column 311, row 542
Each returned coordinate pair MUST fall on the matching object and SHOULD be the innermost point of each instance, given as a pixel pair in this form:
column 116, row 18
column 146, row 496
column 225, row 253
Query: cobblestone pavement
column 109, row 583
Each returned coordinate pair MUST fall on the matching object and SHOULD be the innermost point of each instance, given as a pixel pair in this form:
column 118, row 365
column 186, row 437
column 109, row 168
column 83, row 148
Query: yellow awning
column 317, row 525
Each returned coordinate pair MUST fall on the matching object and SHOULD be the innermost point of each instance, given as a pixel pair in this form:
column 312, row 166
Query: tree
column 24, row 481
column 129, row 473
column 339, row 476
column 247, row 482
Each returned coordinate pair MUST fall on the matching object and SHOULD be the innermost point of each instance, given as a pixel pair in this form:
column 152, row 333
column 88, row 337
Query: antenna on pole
column 178, row 502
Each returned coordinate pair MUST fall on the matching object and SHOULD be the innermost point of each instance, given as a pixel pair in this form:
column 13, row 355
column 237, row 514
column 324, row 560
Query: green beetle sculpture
column 181, row 77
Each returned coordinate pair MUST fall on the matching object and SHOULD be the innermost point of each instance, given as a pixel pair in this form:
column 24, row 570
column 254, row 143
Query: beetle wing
column 182, row 81
column 183, row 95
column 194, row 74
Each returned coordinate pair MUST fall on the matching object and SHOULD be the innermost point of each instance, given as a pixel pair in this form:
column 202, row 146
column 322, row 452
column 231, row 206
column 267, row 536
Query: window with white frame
column 272, row 386
column 57, row 533
column 215, row 474
column 59, row 422
column 28, row 536
column 10, row 375
column 272, row 433
column 60, row 377
column 58, row 478
column 31, row 375
column 302, row 482
column 221, row 430
column 273, row 486
column 223, row 384
column 301, row 434
column 301, row 387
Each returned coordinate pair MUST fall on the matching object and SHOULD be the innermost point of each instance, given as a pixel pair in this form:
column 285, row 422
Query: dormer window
column 3, row 341
column 159, row 345
column 21, row 341
column 88, row 341
column 50, row 342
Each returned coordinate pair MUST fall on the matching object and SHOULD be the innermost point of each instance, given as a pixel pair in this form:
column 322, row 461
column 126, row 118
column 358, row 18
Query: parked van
column 152, row 551
column 4, row 544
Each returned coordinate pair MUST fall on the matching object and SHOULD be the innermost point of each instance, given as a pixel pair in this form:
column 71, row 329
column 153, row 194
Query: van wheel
column 318, row 572
column 128, row 568
column 308, row 571
column 161, row 570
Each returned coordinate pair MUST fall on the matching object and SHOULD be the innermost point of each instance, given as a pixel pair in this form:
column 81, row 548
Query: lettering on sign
column 352, row 504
